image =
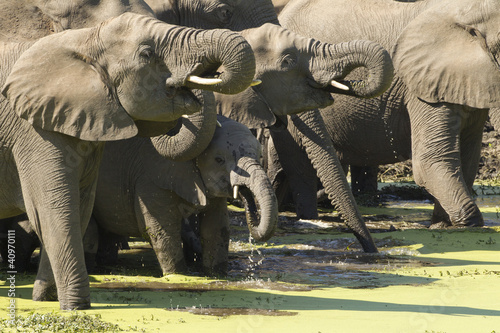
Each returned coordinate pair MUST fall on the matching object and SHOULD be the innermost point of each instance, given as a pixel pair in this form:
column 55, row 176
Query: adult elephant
column 447, row 77
column 163, row 192
column 68, row 93
column 297, row 74
column 29, row 20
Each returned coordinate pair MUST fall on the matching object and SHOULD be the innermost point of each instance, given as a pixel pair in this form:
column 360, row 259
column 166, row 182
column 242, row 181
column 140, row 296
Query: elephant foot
column 82, row 303
column 168, row 267
column 44, row 291
column 439, row 225
column 473, row 218
column 476, row 221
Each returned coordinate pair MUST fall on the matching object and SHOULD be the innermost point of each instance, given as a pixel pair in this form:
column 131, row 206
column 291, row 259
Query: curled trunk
column 324, row 158
column 257, row 187
column 194, row 134
column 224, row 52
column 370, row 55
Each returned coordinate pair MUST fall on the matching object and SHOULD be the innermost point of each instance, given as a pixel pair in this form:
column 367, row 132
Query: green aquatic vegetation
column 53, row 322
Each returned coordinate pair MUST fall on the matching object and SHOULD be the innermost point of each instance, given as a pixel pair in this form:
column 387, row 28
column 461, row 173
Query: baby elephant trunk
column 261, row 205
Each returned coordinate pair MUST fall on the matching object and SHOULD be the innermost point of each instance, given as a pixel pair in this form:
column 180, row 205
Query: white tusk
column 236, row 188
column 219, row 124
column 255, row 83
column 203, row 81
column 339, row 85
column 185, row 116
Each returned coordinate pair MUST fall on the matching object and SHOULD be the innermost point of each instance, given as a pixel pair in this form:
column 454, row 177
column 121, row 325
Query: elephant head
column 193, row 133
column 299, row 74
column 461, row 44
column 234, row 15
column 112, row 81
column 232, row 161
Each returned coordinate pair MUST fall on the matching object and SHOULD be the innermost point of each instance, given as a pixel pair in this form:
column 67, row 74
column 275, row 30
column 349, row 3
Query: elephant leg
column 62, row 259
column 470, row 151
column 277, row 175
column 214, row 235
column 44, row 288
column 161, row 223
column 470, row 144
column 91, row 245
column 440, row 218
column 436, row 132
column 300, row 174
column 58, row 185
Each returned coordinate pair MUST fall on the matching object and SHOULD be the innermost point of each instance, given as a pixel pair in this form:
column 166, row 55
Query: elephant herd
column 134, row 117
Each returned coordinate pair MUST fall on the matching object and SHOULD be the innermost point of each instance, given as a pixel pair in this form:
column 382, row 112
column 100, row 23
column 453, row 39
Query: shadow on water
column 248, row 302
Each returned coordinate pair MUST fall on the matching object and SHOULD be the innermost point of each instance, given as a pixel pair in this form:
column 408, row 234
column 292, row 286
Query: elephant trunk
column 223, row 52
column 257, row 186
column 324, row 158
column 370, row 55
column 194, row 134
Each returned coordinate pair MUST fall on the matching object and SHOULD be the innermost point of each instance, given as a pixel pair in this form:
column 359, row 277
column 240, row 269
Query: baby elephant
column 140, row 192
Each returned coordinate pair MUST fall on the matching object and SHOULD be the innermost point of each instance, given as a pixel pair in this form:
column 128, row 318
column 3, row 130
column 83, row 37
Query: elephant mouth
column 337, row 86
column 345, row 87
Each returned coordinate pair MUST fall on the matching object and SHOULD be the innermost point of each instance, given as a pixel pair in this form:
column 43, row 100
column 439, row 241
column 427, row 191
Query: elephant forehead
column 128, row 26
column 269, row 36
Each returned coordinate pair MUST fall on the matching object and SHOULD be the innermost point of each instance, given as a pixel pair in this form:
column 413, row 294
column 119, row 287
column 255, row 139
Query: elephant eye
column 288, row 61
column 219, row 160
column 146, row 53
column 224, row 13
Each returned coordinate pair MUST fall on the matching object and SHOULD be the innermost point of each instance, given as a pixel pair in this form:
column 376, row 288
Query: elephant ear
column 443, row 55
column 183, row 178
column 247, row 108
column 58, row 89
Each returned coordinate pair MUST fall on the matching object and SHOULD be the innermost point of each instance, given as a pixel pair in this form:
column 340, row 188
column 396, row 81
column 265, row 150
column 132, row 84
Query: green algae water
column 310, row 277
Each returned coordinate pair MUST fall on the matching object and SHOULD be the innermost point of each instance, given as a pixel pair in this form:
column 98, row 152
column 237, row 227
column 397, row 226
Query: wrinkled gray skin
column 142, row 193
column 296, row 73
column 68, row 93
column 234, row 15
column 447, row 77
column 301, row 70
column 28, row 20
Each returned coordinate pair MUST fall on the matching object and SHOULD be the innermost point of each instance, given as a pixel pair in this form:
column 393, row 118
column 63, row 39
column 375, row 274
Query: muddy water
column 320, row 262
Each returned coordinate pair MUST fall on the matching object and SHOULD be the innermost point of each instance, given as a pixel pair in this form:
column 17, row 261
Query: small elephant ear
column 254, row 114
column 183, row 178
column 58, row 89
column 442, row 57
